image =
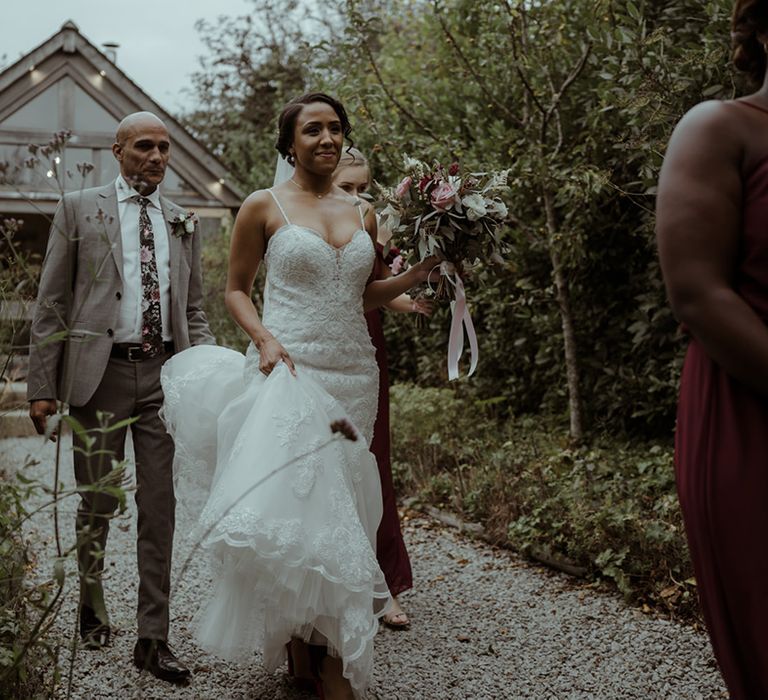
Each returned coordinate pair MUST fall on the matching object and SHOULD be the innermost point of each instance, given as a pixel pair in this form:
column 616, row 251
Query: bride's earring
column 291, row 159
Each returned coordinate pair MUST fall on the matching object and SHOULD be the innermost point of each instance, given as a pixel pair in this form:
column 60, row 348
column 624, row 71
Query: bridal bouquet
column 439, row 210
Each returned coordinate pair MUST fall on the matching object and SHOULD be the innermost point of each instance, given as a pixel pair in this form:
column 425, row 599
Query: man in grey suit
column 120, row 291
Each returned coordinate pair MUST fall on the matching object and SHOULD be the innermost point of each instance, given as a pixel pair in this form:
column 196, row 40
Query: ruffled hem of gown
column 288, row 511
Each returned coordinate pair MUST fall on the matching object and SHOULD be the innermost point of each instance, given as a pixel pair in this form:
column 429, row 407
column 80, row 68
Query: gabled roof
column 105, row 93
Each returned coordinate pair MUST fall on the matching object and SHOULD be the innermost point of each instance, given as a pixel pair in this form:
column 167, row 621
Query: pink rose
column 405, row 184
column 443, row 196
column 397, row 265
column 146, row 255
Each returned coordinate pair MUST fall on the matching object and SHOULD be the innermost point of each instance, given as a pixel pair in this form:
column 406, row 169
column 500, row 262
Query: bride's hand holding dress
column 270, row 353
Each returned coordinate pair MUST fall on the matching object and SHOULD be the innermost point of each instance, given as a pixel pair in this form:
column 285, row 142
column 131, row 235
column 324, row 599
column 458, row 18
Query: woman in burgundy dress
column 353, row 175
column 712, row 226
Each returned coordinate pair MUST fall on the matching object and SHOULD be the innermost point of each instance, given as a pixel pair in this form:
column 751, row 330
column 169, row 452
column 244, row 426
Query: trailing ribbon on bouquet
column 460, row 321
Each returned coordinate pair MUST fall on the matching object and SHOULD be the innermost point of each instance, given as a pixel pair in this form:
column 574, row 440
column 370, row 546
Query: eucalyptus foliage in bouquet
column 438, row 210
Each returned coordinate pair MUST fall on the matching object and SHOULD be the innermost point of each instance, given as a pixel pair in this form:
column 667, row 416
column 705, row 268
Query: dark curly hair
column 749, row 29
column 286, row 122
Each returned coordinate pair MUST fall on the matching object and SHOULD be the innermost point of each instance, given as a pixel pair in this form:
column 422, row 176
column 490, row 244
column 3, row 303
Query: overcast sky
column 159, row 46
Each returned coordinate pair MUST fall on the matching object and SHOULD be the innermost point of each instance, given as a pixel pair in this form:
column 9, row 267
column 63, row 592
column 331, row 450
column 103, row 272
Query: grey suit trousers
column 128, row 390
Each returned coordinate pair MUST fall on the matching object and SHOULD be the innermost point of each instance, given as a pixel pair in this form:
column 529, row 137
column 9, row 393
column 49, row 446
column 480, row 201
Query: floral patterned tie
column 151, row 319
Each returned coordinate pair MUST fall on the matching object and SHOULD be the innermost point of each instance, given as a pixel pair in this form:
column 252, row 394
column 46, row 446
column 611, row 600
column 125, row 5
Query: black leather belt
column 134, row 353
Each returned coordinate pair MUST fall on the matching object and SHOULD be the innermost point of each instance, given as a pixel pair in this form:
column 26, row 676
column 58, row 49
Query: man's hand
column 39, row 411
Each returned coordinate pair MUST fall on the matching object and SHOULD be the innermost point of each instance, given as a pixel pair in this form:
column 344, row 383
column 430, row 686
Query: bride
column 288, row 512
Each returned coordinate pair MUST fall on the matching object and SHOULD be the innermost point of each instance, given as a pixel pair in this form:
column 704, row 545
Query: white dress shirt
column 128, row 328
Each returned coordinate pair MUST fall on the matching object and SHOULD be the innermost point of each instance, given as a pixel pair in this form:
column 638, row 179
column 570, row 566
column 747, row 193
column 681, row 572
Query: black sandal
column 317, row 654
column 303, row 683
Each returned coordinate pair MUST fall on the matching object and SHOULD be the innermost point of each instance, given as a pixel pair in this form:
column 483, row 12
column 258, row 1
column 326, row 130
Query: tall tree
column 577, row 97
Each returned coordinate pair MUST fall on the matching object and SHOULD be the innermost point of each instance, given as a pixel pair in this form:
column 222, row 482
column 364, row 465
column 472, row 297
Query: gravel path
column 486, row 626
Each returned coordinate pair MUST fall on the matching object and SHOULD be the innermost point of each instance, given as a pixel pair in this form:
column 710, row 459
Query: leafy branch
column 364, row 45
column 472, row 70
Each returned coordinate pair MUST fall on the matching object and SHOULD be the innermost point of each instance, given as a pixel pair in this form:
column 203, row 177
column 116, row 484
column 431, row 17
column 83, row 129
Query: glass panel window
column 42, row 112
column 90, row 115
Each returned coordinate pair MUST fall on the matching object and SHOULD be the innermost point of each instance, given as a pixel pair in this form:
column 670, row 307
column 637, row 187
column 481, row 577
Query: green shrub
column 434, row 439
column 609, row 507
column 215, row 258
column 21, row 663
column 19, row 271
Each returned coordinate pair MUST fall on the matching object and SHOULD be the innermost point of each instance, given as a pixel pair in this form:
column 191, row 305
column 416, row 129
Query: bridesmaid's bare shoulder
column 715, row 127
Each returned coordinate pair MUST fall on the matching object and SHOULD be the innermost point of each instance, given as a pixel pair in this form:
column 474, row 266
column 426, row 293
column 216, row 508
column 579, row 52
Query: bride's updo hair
column 749, row 29
column 286, row 122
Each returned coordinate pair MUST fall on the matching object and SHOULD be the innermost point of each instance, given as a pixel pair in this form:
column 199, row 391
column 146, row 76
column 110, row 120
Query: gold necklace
column 314, row 194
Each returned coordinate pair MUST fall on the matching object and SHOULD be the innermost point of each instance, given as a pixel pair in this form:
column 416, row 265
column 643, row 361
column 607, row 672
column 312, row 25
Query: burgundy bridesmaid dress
column 390, row 548
column 721, row 465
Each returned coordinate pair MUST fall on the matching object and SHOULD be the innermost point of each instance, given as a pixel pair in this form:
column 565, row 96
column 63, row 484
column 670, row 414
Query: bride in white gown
column 293, row 545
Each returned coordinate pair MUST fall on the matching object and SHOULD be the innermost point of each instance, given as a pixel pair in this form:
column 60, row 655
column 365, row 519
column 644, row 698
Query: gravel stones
column 485, row 626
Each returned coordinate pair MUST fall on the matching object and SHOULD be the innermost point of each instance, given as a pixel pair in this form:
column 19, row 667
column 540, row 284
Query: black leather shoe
column 155, row 656
column 94, row 633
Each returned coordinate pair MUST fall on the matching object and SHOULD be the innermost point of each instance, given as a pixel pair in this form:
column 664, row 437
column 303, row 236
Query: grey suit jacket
column 80, row 290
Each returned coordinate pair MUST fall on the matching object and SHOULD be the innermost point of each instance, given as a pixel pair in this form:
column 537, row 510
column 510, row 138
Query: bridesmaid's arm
column 245, row 255
column 403, row 303
column 380, row 292
column 699, row 221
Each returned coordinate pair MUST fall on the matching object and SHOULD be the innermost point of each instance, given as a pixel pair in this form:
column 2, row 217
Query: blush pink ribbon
column 461, row 321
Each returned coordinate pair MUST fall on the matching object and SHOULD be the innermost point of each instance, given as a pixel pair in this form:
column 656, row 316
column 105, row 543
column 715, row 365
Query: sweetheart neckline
column 318, row 235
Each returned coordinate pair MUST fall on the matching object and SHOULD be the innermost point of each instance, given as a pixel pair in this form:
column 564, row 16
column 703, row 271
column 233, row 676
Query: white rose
column 500, row 209
column 189, row 224
column 411, row 163
column 475, row 206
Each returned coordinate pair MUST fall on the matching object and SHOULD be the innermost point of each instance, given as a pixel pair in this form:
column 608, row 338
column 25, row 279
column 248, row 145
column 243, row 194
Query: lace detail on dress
column 290, row 511
column 173, row 387
column 290, row 421
column 313, row 304
column 195, row 394
column 291, row 521
column 307, row 470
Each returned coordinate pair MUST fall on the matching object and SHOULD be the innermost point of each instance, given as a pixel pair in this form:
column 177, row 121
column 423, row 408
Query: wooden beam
column 66, row 103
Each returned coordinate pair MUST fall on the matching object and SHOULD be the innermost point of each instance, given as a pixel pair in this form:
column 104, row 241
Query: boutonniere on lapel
column 183, row 224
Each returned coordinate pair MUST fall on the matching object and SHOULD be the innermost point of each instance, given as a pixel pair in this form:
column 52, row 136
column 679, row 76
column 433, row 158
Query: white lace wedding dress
column 294, row 550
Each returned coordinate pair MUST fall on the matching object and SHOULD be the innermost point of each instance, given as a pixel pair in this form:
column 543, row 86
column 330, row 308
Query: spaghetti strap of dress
column 279, row 206
column 749, row 104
